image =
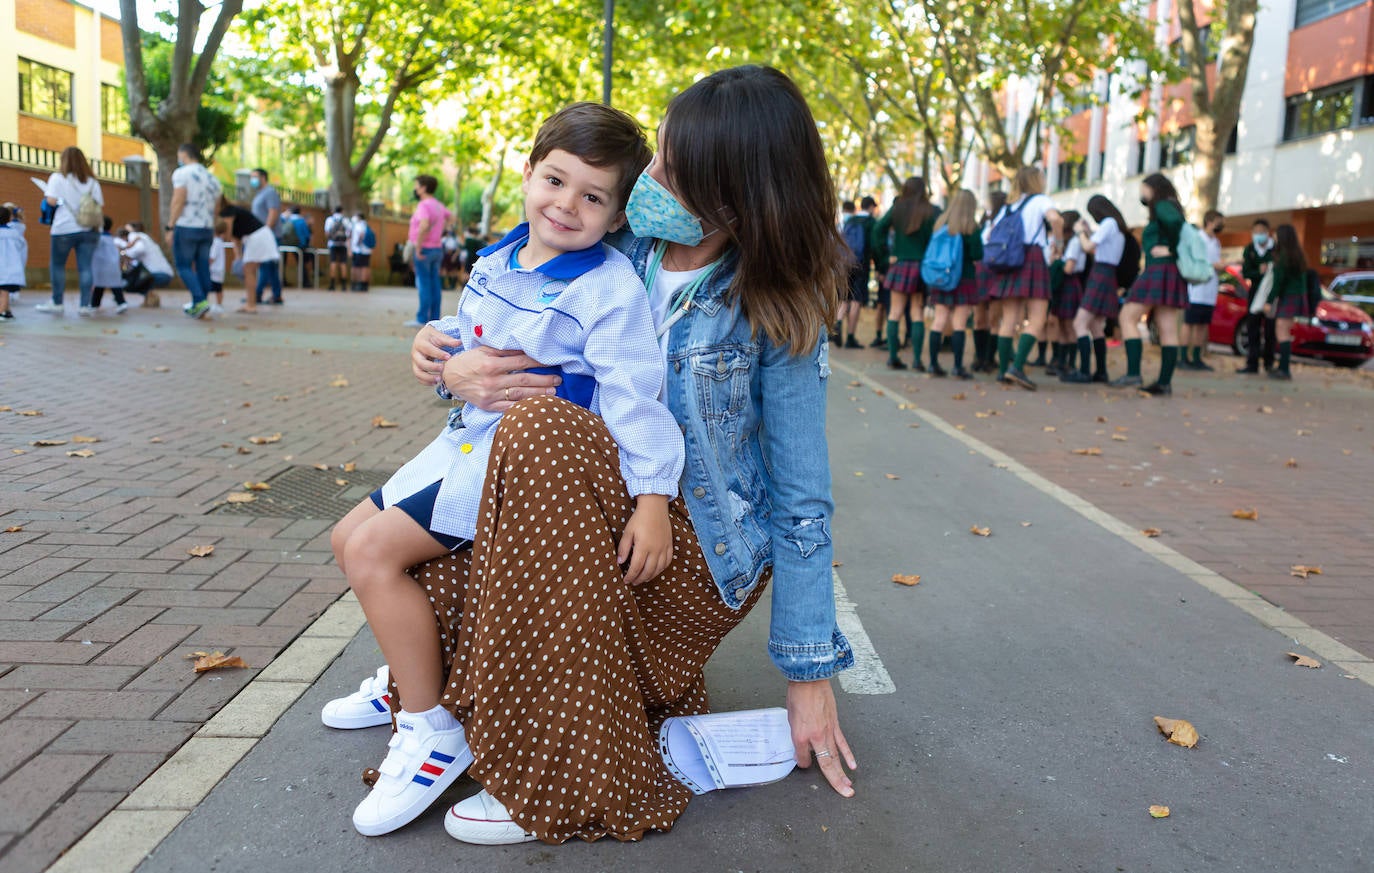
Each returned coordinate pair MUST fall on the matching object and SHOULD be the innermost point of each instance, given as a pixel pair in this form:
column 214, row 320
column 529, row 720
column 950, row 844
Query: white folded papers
column 728, row 749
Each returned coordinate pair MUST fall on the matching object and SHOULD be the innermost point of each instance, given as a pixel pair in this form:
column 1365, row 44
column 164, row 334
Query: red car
column 1341, row 332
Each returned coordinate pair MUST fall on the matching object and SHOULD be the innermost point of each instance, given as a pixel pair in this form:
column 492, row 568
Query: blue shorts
column 420, row 507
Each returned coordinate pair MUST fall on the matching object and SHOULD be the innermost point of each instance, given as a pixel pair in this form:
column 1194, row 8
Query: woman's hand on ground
column 647, row 544
column 816, row 729
column 493, row 379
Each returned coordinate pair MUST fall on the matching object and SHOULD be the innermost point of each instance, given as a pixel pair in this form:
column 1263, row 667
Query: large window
column 45, row 90
column 1321, row 111
column 1207, row 37
column 114, row 110
column 1072, row 173
column 1315, row 10
column 1176, row 148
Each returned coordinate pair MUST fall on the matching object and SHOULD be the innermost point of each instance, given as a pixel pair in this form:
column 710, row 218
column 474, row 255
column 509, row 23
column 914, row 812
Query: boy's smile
column 569, row 204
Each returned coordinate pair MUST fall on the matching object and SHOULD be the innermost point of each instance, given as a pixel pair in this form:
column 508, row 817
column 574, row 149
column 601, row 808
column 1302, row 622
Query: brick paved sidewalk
column 99, row 600
column 1300, row 453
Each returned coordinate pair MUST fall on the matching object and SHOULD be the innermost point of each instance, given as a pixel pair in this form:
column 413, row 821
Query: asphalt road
column 1027, row 666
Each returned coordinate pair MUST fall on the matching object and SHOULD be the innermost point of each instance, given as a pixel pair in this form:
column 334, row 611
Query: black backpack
column 1129, row 269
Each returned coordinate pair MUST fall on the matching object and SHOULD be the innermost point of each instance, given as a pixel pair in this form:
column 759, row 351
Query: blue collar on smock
column 567, row 266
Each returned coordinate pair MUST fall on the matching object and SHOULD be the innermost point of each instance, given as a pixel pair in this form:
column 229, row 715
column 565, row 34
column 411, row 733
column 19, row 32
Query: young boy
column 1202, row 298
column 14, row 252
column 218, row 248
column 552, row 289
column 105, row 269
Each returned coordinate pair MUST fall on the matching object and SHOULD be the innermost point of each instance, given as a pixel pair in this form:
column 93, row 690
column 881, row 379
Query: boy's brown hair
column 604, row 137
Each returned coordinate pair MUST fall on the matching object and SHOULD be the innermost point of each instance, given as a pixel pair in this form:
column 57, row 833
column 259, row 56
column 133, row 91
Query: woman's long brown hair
column 743, row 154
column 913, row 207
column 74, row 163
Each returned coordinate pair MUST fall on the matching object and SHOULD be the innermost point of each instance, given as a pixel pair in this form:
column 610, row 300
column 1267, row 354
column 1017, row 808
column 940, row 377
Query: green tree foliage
column 218, row 119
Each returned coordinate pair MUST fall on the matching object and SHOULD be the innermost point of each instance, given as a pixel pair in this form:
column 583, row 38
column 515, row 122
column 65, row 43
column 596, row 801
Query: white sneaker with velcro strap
column 369, row 706
column 419, row 767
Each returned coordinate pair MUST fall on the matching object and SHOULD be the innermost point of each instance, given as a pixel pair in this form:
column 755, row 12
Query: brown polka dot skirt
column 560, row 672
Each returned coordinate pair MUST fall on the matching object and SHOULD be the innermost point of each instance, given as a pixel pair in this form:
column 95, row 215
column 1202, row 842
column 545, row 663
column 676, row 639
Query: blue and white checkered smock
column 585, row 312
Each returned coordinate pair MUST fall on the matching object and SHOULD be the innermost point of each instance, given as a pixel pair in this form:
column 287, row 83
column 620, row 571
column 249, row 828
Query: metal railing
column 47, row 159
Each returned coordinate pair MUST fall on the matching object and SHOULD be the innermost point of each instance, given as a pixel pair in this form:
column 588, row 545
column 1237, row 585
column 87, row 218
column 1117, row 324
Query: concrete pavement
column 1026, row 665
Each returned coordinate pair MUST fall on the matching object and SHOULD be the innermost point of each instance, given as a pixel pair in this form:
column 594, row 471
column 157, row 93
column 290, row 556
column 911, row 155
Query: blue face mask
column 1260, row 239
column 254, row 183
column 654, row 213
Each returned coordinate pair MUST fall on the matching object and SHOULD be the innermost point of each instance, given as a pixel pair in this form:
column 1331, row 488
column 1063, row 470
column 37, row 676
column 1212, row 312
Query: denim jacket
column 757, row 474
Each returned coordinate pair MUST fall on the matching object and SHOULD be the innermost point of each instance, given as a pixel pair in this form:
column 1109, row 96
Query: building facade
column 1301, row 154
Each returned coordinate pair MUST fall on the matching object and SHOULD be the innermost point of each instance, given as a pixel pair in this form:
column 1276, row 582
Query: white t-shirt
column 1205, row 293
column 141, row 248
column 1074, row 252
column 202, row 195
column 1110, row 242
column 217, row 247
column 355, row 238
column 1032, row 212
column 667, row 286
column 69, row 191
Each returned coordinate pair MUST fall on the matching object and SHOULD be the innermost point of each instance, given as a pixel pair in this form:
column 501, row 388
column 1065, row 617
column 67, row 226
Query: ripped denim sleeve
column 808, row 535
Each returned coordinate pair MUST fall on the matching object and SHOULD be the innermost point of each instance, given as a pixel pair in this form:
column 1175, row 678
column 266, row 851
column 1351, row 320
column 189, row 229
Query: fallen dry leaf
column 1291, row 462
column 905, row 578
column 1304, row 433
column 265, row 440
column 81, row 453
column 914, row 424
column 1102, row 419
column 162, row 369
column 1247, row 514
column 320, row 466
column 1304, row 661
column 1179, row 731
column 14, row 528
column 200, row 551
column 1159, row 811
column 341, row 482
column 980, row 531
column 1025, row 524
column 858, row 473
column 1302, row 571
column 155, row 439
column 31, row 412
column 216, row 661
column 892, row 475
column 339, row 382
column 85, row 439
column 382, row 421
column 960, row 396
column 1267, row 410
column 1049, row 428
column 855, row 384
column 1120, row 437
column 350, row 467
column 1092, row 451
column 244, row 450
column 240, row 497
column 256, row 486
column 282, row 398
column 837, row 563
column 1151, row 532
column 48, row 443
column 6, row 408
column 221, row 354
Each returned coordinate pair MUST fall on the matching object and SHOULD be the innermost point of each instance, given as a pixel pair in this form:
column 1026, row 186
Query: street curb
column 1337, row 654
column 121, row 840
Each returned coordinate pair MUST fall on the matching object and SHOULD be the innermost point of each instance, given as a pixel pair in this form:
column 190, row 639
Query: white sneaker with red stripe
column 483, row 821
column 369, row 706
column 420, row 766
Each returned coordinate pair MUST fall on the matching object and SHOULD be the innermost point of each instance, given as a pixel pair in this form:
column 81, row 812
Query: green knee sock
column 1085, row 353
column 936, row 339
column 1100, row 354
column 1197, row 354
column 1023, row 349
column 1168, row 358
column 982, row 346
column 1004, row 355
column 956, row 342
column 918, row 338
column 1285, row 355
column 1133, row 349
column 893, row 340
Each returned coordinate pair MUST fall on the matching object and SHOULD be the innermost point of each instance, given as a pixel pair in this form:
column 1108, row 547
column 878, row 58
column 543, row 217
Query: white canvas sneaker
column 421, row 765
column 369, row 706
column 51, row 308
column 483, row 821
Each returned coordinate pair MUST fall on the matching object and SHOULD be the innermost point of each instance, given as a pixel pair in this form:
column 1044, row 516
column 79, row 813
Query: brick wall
column 53, row 20
column 116, row 148
column 45, row 133
column 111, row 41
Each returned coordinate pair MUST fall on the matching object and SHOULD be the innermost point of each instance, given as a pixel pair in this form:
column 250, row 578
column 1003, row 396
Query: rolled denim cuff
column 808, row 662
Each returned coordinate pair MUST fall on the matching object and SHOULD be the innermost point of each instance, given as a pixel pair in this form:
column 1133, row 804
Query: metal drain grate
column 305, row 492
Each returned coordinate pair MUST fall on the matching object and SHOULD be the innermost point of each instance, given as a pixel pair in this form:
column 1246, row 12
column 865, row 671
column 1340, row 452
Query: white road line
column 868, row 675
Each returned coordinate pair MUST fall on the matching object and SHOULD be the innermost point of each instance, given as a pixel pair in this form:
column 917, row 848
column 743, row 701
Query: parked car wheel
column 1240, row 340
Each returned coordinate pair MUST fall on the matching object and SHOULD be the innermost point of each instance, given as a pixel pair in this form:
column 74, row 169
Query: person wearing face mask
column 1202, row 298
column 744, row 267
column 426, row 232
column 1260, row 330
column 266, row 208
column 1160, row 290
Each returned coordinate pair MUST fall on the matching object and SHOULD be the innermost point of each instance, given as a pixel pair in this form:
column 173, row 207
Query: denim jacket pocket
column 720, row 378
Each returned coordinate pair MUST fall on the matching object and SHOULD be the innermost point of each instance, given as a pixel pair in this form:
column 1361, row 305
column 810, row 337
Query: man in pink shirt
column 426, row 230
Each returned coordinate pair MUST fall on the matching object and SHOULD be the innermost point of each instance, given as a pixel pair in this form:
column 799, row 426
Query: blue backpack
column 943, row 266
column 1005, row 250
column 369, row 238
column 856, row 237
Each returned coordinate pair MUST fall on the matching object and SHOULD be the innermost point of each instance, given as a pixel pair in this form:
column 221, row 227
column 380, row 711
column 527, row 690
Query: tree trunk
column 489, row 193
column 1209, row 152
column 339, row 92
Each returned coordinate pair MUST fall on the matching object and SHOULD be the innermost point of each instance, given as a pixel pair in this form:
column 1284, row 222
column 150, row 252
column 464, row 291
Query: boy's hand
column 647, row 545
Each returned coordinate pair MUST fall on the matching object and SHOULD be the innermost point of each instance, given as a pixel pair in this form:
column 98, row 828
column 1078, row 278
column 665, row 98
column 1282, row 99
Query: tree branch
column 201, row 74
